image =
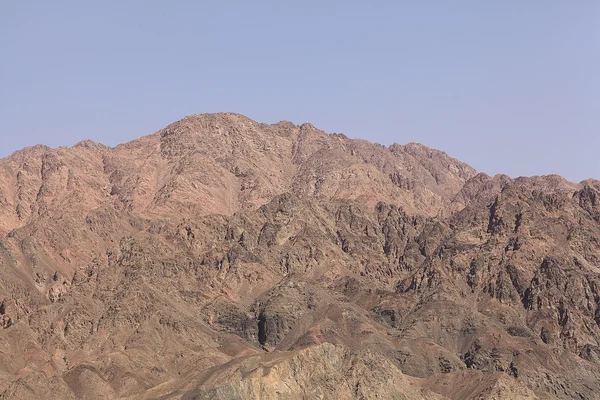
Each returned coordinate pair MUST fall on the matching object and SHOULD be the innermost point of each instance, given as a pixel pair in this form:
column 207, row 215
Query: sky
column 507, row 86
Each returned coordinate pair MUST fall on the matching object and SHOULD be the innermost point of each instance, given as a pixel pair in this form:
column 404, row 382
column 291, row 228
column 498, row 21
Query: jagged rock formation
column 223, row 258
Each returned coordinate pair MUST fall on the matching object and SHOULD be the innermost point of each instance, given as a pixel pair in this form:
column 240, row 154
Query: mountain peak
column 30, row 151
column 91, row 145
column 320, row 266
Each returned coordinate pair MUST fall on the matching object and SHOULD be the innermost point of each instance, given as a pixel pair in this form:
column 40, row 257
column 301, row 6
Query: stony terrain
column 221, row 258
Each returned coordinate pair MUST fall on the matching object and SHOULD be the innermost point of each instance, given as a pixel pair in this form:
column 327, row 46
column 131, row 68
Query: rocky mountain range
column 221, row 258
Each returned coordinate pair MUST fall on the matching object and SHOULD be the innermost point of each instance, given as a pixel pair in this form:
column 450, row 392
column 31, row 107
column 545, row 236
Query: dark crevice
column 262, row 329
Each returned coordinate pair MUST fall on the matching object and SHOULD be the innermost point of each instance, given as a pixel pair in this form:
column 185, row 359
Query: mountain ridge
column 220, row 257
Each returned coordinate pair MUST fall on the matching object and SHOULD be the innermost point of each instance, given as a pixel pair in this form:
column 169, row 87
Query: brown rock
column 224, row 258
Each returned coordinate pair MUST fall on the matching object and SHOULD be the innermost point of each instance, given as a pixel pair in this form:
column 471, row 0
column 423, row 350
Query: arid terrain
column 221, row 258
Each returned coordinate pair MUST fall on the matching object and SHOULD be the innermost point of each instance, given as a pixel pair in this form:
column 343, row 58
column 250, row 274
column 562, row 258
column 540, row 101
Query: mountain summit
column 223, row 258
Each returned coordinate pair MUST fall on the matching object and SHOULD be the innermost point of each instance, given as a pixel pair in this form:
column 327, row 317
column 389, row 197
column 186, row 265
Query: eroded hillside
column 224, row 258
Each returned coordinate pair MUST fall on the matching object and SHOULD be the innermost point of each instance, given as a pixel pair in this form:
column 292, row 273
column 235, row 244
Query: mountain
column 221, row 258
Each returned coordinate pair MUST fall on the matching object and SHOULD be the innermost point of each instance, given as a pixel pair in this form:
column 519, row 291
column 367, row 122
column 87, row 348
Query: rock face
column 221, row 258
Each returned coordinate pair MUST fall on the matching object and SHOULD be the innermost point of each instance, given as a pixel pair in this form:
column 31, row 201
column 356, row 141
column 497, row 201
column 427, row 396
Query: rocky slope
column 224, row 258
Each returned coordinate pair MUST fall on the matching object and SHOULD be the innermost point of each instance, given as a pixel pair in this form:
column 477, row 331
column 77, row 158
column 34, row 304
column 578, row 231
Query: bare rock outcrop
column 224, row 258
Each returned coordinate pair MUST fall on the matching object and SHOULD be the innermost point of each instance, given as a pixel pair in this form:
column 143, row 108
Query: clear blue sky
column 507, row 86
